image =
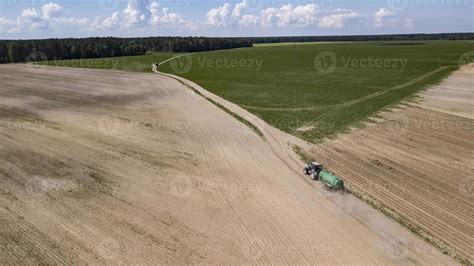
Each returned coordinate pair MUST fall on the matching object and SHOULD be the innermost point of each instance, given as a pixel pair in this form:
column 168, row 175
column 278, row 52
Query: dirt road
column 112, row 167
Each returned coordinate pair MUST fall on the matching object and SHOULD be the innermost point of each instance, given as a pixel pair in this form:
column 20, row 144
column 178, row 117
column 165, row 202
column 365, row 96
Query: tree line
column 18, row 51
column 366, row 38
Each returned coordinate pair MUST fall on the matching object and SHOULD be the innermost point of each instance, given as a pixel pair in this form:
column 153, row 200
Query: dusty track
column 418, row 161
column 106, row 167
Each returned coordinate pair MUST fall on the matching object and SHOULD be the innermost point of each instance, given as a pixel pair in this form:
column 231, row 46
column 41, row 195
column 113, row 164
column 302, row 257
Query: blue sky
column 26, row 19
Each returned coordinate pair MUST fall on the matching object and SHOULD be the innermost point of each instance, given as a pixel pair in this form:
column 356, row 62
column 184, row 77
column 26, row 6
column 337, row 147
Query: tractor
column 317, row 172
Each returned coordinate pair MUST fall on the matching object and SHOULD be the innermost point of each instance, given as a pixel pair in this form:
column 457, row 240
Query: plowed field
column 102, row 167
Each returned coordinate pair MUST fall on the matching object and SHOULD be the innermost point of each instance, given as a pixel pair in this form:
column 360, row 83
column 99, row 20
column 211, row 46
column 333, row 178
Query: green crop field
column 288, row 44
column 316, row 90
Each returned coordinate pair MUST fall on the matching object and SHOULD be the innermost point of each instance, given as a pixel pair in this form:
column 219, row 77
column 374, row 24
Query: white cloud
column 52, row 10
column 137, row 13
column 305, row 15
column 239, row 8
column 337, row 20
column 380, row 15
column 287, row 15
column 219, row 16
column 145, row 16
column 31, row 19
column 109, row 23
column 165, row 17
column 248, row 21
column 7, row 25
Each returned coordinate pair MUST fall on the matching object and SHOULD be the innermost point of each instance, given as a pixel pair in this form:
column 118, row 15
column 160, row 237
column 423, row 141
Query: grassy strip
column 441, row 245
column 234, row 115
column 303, row 156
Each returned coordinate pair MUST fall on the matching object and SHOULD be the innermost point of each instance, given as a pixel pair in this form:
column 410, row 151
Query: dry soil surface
column 112, row 167
column 418, row 160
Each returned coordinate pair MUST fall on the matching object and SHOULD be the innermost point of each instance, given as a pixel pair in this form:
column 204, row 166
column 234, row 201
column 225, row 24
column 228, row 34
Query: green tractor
column 317, row 172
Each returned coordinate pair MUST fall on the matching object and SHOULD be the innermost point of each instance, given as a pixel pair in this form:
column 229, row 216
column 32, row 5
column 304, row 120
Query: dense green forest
column 366, row 38
column 13, row 51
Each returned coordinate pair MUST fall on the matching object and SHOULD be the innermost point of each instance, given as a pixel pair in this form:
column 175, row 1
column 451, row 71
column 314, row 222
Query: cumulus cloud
column 143, row 14
column 288, row 15
column 380, row 16
column 338, row 19
column 219, row 16
column 284, row 16
column 239, row 8
column 30, row 18
column 137, row 13
column 52, row 10
column 248, row 21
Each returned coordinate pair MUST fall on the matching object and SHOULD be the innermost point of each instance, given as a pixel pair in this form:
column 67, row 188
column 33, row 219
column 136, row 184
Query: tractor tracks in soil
column 146, row 189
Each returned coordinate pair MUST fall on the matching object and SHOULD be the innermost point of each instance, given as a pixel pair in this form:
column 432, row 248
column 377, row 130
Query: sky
column 28, row 19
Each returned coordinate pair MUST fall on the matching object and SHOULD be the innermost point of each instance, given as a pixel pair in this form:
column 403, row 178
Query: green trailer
column 331, row 181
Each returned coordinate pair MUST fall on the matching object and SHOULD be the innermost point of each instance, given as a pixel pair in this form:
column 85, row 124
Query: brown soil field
column 417, row 160
column 107, row 167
